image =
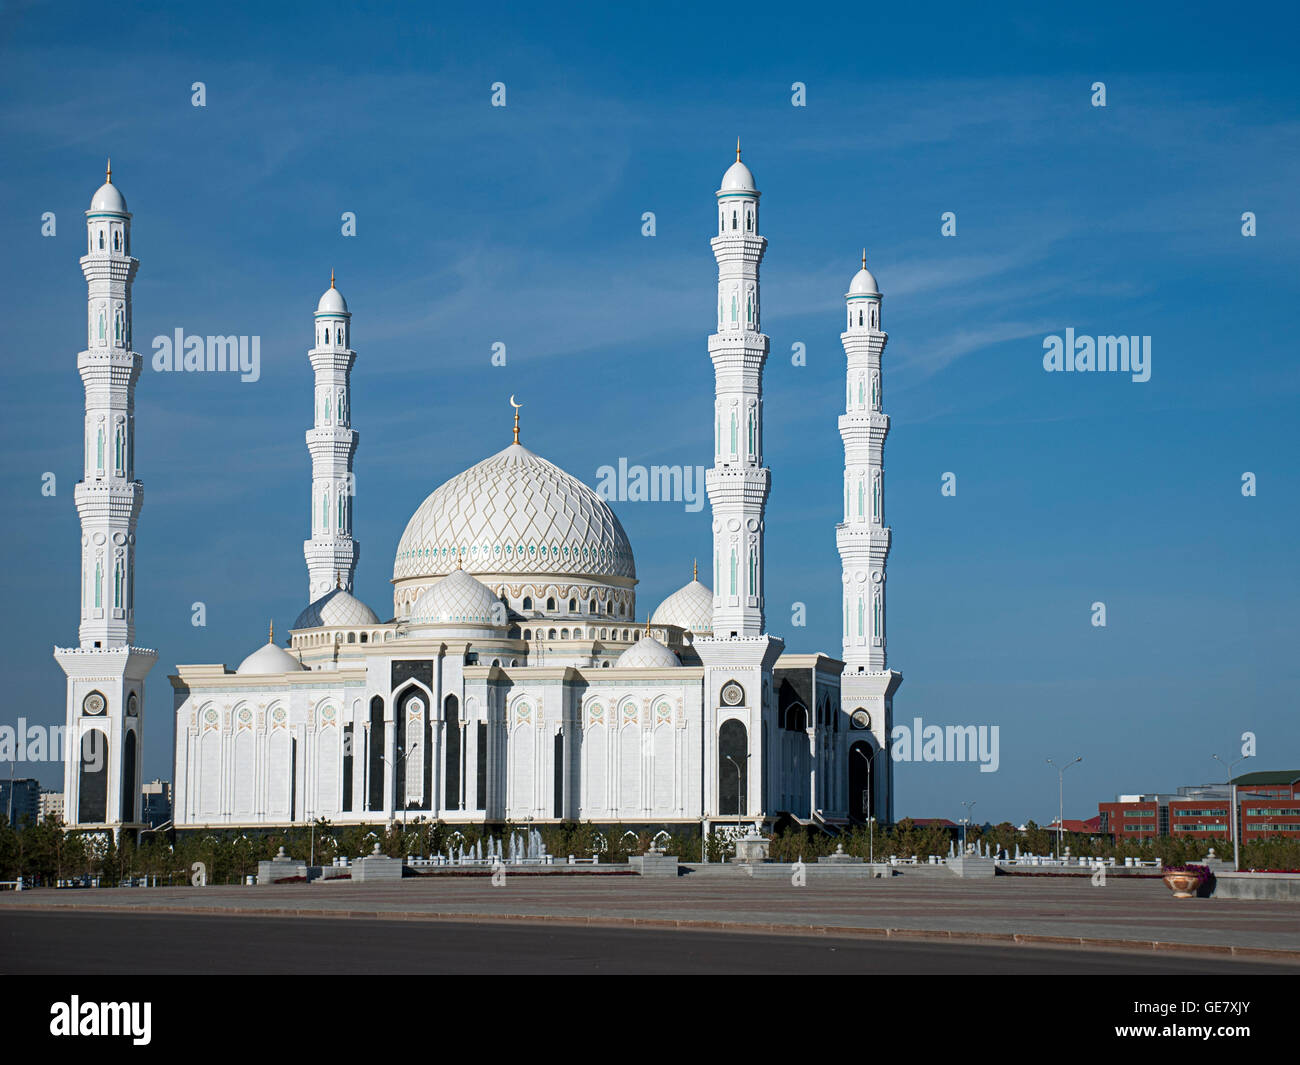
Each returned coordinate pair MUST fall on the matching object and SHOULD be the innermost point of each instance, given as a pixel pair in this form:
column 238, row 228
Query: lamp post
column 401, row 760
column 871, row 803
column 969, row 807
column 1232, row 809
column 740, row 778
column 1060, row 817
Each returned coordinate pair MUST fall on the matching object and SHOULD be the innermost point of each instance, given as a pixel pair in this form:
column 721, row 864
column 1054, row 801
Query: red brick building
column 1268, row 804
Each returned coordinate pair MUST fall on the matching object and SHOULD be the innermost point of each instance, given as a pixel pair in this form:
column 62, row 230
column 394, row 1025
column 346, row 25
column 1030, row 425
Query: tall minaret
column 738, row 482
column 105, row 694
column 331, row 552
column 740, row 708
column 863, row 538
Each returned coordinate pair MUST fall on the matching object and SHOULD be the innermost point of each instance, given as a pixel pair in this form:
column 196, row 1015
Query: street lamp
column 969, row 807
column 1236, row 842
column 401, row 760
column 739, row 790
column 871, row 803
column 1060, row 817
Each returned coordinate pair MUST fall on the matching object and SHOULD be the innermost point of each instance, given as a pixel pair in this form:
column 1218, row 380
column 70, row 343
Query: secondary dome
column 514, row 513
column 458, row 599
column 108, row 200
column 332, row 302
column 737, row 178
column 269, row 658
column 336, row 609
column 689, row 608
column 864, row 282
column 647, row 653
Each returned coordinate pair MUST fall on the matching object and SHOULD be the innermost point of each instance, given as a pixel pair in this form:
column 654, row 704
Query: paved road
column 35, row 942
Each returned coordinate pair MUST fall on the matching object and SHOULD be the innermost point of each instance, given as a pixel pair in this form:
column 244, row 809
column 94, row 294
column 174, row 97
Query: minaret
column 331, row 552
column 105, row 694
column 863, row 538
column 740, row 706
column 738, row 482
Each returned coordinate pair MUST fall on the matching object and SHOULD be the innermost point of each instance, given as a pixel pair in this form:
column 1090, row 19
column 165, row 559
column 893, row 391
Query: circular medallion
column 93, row 704
column 132, row 705
column 860, row 719
column 732, row 693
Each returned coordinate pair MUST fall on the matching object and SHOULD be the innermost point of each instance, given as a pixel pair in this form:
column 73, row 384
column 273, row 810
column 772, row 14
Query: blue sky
column 523, row 225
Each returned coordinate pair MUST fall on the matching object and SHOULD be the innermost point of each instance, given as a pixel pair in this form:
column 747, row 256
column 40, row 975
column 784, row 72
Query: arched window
column 564, row 634
column 550, row 634
column 733, row 571
column 550, row 603
column 527, row 603
column 749, row 221
column 352, row 637
column 733, row 432
column 753, row 432
column 733, row 750
column 99, row 449
column 591, row 607
column 733, row 220
column 117, row 241
column 573, row 606
column 859, row 316
column 528, row 634
column 101, row 239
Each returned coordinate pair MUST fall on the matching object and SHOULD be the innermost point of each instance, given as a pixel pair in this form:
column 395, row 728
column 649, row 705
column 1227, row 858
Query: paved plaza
column 1123, row 915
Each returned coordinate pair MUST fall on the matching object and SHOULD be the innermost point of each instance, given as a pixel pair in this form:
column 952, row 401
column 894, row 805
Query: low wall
column 1279, row 886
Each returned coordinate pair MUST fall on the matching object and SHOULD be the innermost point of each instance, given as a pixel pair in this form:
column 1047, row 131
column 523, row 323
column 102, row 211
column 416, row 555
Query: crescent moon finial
column 516, row 406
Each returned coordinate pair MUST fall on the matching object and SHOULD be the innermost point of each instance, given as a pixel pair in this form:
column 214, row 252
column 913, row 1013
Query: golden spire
column 864, row 258
column 516, row 406
column 108, row 171
column 338, row 577
column 737, row 149
column 270, row 636
column 695, row 569
column 332, row 273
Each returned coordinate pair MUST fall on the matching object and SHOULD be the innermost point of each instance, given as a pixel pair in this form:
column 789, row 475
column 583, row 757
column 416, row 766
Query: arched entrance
column 733, row 751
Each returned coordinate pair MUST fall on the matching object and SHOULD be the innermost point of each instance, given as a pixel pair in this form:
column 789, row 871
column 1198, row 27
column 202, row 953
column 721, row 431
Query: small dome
column 689, row 608
column 336, row 609
column 737, row 178
column 647, row 653
column 864, row 284
column 269, row 658
column 458, row 599
column 108, row 200
column 332, row 302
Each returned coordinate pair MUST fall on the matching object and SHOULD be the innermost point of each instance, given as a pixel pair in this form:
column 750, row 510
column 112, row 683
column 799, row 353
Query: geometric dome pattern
column 458, row 599
column 647, row 653
column 689, row 608
column 336, row 609
column 514, row 513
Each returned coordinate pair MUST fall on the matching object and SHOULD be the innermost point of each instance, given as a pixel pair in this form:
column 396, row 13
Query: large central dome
column 515, row 516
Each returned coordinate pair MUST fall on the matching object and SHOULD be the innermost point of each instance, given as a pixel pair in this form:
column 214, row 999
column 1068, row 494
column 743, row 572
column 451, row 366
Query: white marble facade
column 513, row 681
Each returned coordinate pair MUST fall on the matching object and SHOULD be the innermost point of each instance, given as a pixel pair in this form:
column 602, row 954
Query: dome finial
column 864, row 258
column 270, row 636
column 332, row 272
column 695, row 569
column 737, row 149
column 108, row 171
column 516, row 406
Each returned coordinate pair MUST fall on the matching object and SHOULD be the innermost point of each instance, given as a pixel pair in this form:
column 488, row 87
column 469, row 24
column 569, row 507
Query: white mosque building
column 513, row 681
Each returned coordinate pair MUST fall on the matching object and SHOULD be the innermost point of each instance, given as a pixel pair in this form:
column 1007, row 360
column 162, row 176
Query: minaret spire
column 738, row 483
column 332, row 552
column 867, row 686
column 516, row 406
column 106, row 673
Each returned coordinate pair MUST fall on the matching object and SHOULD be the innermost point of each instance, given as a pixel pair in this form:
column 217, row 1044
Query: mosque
column 513, row 681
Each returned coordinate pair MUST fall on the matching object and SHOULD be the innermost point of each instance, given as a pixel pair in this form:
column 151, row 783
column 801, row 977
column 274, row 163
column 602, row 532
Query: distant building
column 1090, row 827
column 19, row 800
column 156, row 803
column 1268, row 804
column 49, row 805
